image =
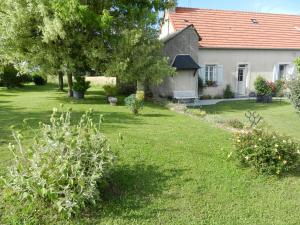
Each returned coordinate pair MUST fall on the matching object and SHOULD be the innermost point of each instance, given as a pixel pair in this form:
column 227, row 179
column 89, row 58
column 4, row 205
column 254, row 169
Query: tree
column 139, row 58
column 70, row 36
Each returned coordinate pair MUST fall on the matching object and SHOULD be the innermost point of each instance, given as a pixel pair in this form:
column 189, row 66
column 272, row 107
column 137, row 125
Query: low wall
column 101, row 80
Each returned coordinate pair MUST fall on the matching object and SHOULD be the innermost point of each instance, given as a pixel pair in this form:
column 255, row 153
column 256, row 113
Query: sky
column 269, row 6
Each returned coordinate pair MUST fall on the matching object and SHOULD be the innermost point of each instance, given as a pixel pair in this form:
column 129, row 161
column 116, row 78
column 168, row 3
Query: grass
column 279, row 115
column 173, row 168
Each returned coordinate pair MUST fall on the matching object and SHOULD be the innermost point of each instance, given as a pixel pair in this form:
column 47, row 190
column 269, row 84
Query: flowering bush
column 294, row 87
column 262, row 87
column 268, row 153
column 135, row 102
column 59, row 174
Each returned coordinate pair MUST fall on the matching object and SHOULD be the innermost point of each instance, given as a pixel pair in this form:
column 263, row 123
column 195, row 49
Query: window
column 282, row 71
column 211, row 73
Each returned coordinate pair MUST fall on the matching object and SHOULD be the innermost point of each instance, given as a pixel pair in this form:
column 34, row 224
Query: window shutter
column 275, row 72
column 201, row 72
column 291, row 71
column 220, row 75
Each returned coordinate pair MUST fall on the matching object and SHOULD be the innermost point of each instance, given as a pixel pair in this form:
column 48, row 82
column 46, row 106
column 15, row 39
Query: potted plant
column 80, row 86
column 263, row 90
column 110, row 92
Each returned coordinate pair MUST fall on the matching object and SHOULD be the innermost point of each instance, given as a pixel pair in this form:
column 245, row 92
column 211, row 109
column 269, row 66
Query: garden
column 73, row 152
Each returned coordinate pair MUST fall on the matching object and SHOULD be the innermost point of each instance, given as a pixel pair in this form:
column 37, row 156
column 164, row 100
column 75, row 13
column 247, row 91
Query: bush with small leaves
column 135, row 102
column 235, row 123
column 110, row 90
column 294, row 87
column 268, row 153
column 39, row 80
column 59, row 174
column 228, row 93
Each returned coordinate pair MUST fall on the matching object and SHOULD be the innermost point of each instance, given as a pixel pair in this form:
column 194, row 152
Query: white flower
column 255, row 146
column 284, row 141
column 247, row 158
column 276, row 145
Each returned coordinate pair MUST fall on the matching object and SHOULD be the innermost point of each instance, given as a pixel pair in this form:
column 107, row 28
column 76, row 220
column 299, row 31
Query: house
column 230, row 48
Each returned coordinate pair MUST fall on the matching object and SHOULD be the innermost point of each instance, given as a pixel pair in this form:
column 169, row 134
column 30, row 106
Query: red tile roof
column 234, row 29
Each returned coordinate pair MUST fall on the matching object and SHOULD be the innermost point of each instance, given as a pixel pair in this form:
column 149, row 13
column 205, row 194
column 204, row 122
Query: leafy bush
column 200, row 84
column 59, row 174
column 196, row 112
column 80, row 85
column 268, row 153
column 206, row 97
column 39, row 80
column 135, row 102
column 235, row 123
column 25, row 78
column 228, row 93
column 9, row 77
column 294, row 87
column 218, row 97
column 110, row 90
column 279, row 85
column 262, row 87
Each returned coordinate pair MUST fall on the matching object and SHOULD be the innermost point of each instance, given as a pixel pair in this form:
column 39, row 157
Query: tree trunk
column 60, row 81
column 70, row 84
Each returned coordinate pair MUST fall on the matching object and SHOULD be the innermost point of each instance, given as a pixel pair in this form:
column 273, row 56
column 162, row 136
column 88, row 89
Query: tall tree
column 70, row 36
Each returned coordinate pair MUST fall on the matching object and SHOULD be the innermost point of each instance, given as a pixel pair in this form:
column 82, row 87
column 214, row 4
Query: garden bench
column 184, row 95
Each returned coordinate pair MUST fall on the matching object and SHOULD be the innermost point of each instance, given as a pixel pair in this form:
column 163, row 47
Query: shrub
column 80, row 85
column 218, row 97
column 235, row 123
column 262, row 87
column 200, row 84
column 39, row 80
column 294, row 87
column 110, row 90
column 9, row 77
column 206, row 97
column 135, row 102
column 196, row 112
column 59, row 174
column 279, row 84
column 268, row 153
column 25, row 78
column 228, row 93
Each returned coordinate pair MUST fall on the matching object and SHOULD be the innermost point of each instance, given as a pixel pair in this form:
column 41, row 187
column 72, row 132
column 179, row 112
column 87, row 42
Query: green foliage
column 218, row 97
column 80, row 84
column 76, row 36
column 110, row 90
column 268, row 153
column 196, row 112
column 39, row 80
column 206, row 97
column 59, row 174
column 235, row 123
column 139, row 57
column 9, row 77
column 200, row 84
column 262, row 87
column 294, row 87
column 279, row 87
column 228, row 93
column 135, row 102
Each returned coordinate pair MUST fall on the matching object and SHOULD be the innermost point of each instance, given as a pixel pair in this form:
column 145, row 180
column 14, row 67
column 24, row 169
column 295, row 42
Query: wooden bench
column 184, row 95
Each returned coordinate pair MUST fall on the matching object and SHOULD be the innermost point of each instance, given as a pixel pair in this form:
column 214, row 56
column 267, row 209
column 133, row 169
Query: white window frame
column 211, row 71
column 286, row 64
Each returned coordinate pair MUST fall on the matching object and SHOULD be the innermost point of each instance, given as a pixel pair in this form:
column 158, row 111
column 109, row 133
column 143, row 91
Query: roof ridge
column 236, row 11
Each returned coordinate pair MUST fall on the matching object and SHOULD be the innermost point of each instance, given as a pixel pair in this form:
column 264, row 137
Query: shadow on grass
column 243, row 106
column 132, row 188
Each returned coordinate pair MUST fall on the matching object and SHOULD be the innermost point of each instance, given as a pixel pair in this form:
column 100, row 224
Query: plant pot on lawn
column 113, row 101
column 264, row 98
column 80, row 86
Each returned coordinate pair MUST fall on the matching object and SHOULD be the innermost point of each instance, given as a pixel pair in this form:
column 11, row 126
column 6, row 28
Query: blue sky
column 270, row 6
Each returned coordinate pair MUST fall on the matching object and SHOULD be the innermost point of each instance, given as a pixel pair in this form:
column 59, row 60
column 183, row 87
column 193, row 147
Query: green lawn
column 173, row 168
column 280, row 115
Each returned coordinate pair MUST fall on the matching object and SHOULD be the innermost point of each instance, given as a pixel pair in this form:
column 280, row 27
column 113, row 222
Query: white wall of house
column 259, row 62
column 184, row 80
